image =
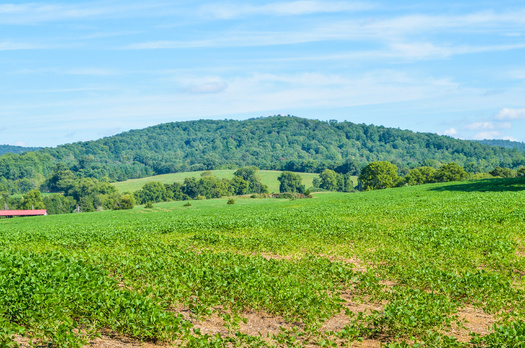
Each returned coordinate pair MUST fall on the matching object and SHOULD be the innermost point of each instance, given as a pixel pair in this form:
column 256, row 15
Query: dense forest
column 508, row 144
column 15, row 149
column 278, row 142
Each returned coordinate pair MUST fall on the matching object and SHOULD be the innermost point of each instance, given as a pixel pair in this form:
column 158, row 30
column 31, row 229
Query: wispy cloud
column 15, row 46
column 488, row 135
column 290, row 8
column 511, row 114
column 34, row 13
column 71, row 71
column 207, row 88
column 397, row 37
column 487, row 125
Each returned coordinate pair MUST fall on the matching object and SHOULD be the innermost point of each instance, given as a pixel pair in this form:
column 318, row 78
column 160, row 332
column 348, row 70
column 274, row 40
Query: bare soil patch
column 476, row 322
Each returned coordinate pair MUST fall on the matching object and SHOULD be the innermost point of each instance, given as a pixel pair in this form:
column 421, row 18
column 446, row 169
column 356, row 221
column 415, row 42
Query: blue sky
column 81, row 70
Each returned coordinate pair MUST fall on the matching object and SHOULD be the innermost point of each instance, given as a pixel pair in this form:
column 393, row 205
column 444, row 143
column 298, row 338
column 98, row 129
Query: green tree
column 174, row 192
column 521, row 172
column 290, row 182
column 378, row 175
column 32, row 200
column 329, row 180
column 451, row 172
column 190, row 187
column 239, row 185
column 57, row 203
column 428, row 173
column 503, row 172
column 414, row 177
column 152, row 191
column 251, row 175
column 125, row 201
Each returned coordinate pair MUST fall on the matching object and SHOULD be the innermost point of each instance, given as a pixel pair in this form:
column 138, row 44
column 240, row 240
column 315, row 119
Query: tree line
column 283, row 143
column 381, row 175
column 245, row 180
column 67, row 193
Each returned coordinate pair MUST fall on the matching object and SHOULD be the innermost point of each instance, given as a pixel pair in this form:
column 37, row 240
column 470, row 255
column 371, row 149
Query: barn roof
column 23, row 212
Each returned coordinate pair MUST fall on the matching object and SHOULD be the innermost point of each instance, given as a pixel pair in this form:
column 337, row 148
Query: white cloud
column 450, row 132
column 479, row 125
column 488, row 125
column 70, row 71
column 15, row 46
column 291, row 8
column 510, row 138
column 511, row 114
column 208, row 87
column 487, row 135
column 33, row 13
column 89, row 71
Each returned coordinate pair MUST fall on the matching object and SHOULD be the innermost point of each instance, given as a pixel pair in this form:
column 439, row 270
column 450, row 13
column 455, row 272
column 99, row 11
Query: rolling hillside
column 268, row 177
column 271, row 143
column 15, row 149
column 505, row 143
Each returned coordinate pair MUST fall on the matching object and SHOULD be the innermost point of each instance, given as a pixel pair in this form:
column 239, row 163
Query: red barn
column 12, row 213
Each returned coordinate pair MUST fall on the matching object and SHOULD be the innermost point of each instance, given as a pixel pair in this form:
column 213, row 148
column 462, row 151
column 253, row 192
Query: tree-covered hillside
column 508, row 144
column 15, row 149
column 279, row 143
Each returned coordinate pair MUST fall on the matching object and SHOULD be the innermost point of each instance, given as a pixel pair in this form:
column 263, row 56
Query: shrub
column 188, row 204
column 148, row 205
column 231, row 201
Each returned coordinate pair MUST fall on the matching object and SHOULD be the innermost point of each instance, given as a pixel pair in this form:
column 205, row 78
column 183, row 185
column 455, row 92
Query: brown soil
column 266, row 324
column 476, row 321
column 359, row 265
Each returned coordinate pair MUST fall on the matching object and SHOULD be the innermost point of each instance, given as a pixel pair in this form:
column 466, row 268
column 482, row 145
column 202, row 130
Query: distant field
column 268, row 177
column 439, row 265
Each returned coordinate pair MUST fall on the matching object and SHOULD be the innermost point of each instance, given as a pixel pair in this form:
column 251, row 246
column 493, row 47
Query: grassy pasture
column 393, row 267
column 268, row 177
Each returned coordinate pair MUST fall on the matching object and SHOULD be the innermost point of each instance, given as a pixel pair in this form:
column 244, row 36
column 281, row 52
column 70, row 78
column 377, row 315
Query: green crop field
column 438, row 265
column 268, row 177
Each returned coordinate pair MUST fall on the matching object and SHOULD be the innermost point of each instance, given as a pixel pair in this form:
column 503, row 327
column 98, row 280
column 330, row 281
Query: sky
column 81, row 70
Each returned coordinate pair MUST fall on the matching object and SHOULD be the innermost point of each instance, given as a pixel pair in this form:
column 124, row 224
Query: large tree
column 290, row 182
column 32, row 200
column 329, row 180
column 451, row 172
column 378, row 175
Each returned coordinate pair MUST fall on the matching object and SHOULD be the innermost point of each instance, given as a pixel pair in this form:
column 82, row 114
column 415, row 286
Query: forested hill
column 15, row 149
column 505, row 143
column 279, row 142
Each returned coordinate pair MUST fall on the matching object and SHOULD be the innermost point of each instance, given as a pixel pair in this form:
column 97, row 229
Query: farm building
column 11, row 213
